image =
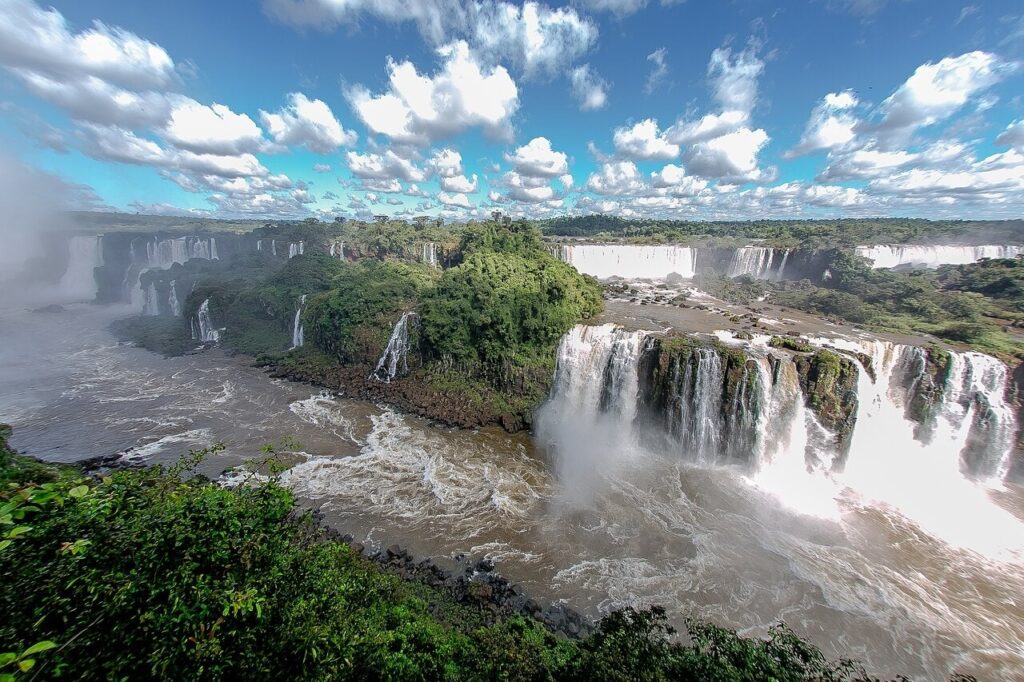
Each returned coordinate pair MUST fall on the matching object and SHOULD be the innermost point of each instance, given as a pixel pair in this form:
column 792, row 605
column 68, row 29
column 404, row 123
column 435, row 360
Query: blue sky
column 647, row 108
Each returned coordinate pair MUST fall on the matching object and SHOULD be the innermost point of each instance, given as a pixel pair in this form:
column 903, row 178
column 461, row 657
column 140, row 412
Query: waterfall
column 746, row 406
column 273, row 246
column 85, row 254
column 161, row 254
column 394, row 360
column 298, row 338
column 630, row 261
column 172, row 300
column 337, row 250
column 295, row 249
column 202, row 325
column 620, row 396
column 892, row 255
column 259, row 244
column 430, row 254
column 150, row 305
column 759, row 262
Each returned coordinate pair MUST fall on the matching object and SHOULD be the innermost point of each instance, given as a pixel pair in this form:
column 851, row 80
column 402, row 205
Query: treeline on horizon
column 824, row 233
column 784, row 233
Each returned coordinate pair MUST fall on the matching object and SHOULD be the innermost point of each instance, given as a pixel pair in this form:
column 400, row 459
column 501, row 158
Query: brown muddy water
column 861, row 580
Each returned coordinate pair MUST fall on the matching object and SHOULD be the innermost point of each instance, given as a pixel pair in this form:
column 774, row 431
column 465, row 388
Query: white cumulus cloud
column 419, row 110
column 309, row 123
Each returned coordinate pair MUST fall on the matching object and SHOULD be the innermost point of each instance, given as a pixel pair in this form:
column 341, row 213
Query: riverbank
column 451, row 398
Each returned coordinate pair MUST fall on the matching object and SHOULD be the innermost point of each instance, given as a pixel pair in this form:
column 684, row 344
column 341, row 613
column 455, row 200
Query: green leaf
column 26, row 664
column 79, row 491
column 39, row 647
column 4, row 544
column 18, row 530
column 7, row 657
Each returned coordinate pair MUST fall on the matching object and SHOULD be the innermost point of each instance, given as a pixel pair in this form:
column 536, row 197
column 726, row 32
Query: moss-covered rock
column 793, row 343
column 829, row 382
column 925, row 388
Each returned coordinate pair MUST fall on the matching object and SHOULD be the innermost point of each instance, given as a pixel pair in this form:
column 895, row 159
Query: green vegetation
column 145, row 574
column 507, row 303
column 353, row 320
column 793, row 343
column 941, row 303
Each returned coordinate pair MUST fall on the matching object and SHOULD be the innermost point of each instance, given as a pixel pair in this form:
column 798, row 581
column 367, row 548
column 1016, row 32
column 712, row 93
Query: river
column 861, row 579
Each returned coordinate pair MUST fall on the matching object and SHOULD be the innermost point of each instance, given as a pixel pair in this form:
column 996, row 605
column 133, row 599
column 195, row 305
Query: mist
column 32, row 203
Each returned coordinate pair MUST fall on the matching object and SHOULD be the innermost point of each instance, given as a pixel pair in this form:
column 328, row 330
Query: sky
column 735, row 109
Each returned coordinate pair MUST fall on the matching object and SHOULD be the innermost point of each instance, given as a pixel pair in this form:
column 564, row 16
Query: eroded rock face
column 829, row 382
column 925, row 384
column 1017, row 388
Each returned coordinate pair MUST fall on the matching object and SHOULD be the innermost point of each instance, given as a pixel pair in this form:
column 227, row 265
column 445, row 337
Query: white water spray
column 298, row 338
column 202, row 325
column 395, row 358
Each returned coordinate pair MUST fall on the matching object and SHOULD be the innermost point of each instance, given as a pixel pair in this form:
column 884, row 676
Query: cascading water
column 891, row 255
column 296, row 249
column 161, row 254
column 298, row 338
column 395, row 358
column 337, row 250
column 588, row 420
column 202, row 325
column 172, row 300
column 618, row 392
column 430, row 254
column 759, row 262
column 85, row 254
column 149, row 305
column 630, row 261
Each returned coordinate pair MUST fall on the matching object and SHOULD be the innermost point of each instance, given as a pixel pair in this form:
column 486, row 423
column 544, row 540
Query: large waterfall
column 296, row 249
column 298, row 338
column 395, row 359
column 892, row 255
column 85, row 254
column 160, row 253
column 619, row 394
column 759, row 262
column 202, row 325
column 630, row 261
column 337, row 250
column 163, row 253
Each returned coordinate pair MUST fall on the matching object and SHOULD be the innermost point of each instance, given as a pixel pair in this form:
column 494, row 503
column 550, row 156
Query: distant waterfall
column 619, row 393
column 298, row 338
column 161, row 254
column 295, row 249
column 85, row 254
column 150, row 305
column 202, row 325
column 273, row 246
column 337, row 250
column 172, row 300
column 430, row 254
column 394, row 360
column 893, row 255
column 759, row 262
column 630, row 261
